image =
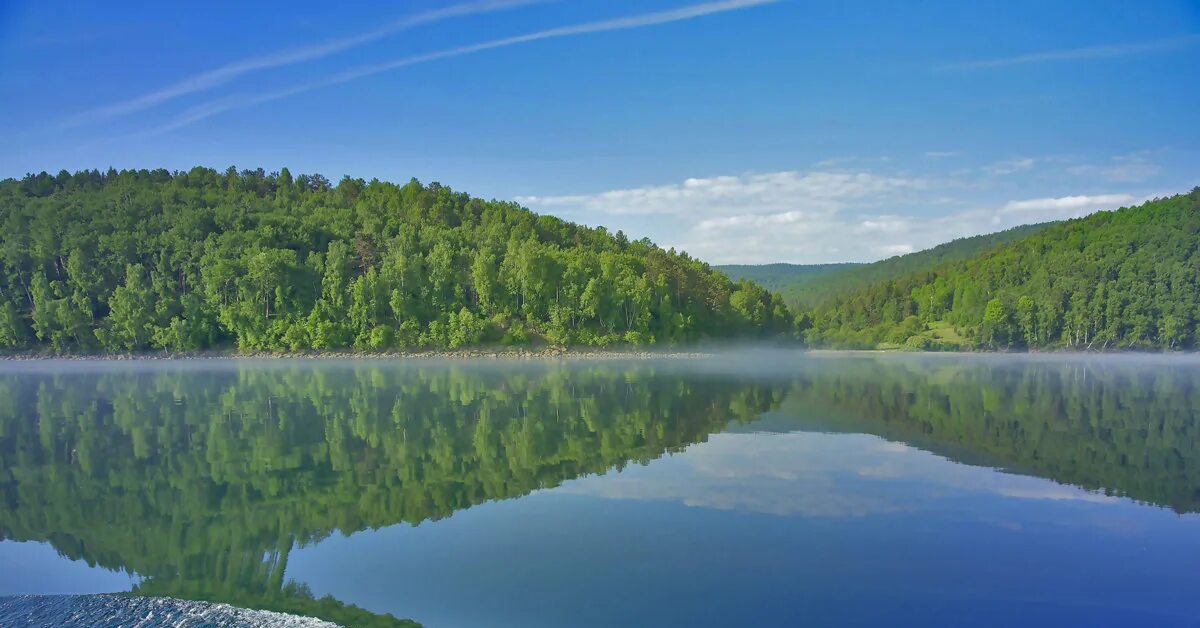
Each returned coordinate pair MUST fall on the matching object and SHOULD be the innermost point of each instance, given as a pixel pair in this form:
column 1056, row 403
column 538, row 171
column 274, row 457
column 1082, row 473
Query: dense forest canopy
column 138, row 259
column 1128, row 278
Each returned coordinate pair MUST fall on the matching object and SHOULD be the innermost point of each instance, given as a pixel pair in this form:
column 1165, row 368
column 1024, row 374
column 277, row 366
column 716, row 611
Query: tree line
column 150, row 259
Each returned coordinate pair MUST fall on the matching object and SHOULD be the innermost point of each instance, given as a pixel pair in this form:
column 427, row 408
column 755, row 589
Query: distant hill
column 811, row 285
column 789, row 280
column 1128, row 278
column 153, row 259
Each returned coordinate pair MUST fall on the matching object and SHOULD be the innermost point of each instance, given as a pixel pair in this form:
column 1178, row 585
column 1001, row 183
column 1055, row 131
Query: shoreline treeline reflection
column 1122, row 426
column 202, row 480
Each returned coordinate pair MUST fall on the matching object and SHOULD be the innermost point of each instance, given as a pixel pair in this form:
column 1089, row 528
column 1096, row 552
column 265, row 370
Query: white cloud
column 1076, row 54
column 798, row 474
column 808, row 217
column 811, row 474
column 940, row 154
column 785, row 192
column 1056, row 492
column 898, row 249
column 883, row 224
column 1069, row 203
column 752, row 220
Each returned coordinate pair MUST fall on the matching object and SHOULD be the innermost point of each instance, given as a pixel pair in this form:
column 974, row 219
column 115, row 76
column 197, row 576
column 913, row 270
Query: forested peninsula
column 137, row 260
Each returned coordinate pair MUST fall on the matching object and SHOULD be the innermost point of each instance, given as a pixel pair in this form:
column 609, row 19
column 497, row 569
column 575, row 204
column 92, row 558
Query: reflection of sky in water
column 817, row 475
column 37, row 568
column 780, row 529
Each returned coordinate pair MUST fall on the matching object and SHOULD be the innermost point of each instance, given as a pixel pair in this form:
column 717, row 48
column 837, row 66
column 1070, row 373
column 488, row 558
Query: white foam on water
column 139, row 612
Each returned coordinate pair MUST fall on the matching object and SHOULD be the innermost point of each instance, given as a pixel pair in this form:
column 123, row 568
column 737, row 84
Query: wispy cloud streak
column 226, row 73
column 1077, row 54
column 213, row 108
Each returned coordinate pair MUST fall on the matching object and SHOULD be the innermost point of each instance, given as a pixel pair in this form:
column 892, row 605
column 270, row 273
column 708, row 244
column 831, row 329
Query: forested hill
column 1117, row 279
column 136, row 260
column 809, row 286
column 791, row 281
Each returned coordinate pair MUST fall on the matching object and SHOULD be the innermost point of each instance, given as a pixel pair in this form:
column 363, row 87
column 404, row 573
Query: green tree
column 997, row 324
column 12, row 329
column 1027, row 319
column 130, row 319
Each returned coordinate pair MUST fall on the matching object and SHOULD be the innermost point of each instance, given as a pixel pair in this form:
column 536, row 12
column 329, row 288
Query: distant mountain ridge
column 785, row 279
column 809, row 285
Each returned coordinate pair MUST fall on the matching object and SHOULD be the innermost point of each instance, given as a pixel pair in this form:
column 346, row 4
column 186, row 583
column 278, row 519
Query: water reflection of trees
column 1119, row 427
column 201, row 480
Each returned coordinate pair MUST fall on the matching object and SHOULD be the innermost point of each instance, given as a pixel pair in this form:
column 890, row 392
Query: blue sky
column 738, row 130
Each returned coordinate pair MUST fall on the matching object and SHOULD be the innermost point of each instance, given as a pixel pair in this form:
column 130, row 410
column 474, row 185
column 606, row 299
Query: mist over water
column 752, row 486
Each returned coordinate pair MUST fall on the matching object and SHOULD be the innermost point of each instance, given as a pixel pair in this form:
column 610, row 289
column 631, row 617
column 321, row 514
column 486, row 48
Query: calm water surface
column 747, row 489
